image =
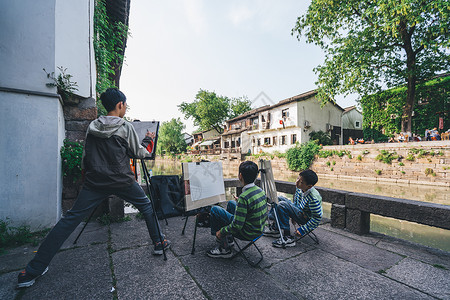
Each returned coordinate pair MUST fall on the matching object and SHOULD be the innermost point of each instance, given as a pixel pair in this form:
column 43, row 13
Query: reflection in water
column 422, row 234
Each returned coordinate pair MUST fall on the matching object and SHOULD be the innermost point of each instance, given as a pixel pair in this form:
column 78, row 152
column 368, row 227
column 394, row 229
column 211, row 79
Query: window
column 285, row 113
column 227, row 145
column 293, row 138
column 283, row 140
column 274, row 140
column 357, row 124
column 267, row 141
column 259, row 142
column 233, row 144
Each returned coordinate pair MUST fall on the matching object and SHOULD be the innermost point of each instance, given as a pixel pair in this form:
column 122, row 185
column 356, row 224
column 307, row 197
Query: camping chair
column 311, row 235
column 241, row 251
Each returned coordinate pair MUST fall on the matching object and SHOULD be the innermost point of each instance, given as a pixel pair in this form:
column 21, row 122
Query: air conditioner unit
column 329, row 127
column 306, row 124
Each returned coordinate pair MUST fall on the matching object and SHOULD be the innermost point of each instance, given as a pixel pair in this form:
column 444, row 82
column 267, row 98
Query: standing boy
column 110, row 141
column 305, row 211
column 243, row 219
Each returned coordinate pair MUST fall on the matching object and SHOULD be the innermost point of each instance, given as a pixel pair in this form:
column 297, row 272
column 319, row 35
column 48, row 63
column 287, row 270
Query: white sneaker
column 289, row 241
column 272, row 231
column 220, row 252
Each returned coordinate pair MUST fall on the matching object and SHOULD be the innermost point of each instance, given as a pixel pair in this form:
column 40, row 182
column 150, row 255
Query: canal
column 417, row 233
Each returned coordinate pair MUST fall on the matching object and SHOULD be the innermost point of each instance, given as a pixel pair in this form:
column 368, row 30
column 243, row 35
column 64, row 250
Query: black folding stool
column 241, row 251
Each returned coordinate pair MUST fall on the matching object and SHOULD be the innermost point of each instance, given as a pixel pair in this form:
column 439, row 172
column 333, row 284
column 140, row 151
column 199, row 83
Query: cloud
column 195, row 15
column 240, row 14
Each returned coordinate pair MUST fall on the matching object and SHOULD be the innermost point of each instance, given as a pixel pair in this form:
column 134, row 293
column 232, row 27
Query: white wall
column 349, row 119
column 32, row 121
column 74, row 43
column 317, row 117
column 27, row 44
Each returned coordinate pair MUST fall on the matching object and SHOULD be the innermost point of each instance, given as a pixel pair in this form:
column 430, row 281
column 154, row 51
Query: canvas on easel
column 148, row 126
column 203, row 184
column 267, row 181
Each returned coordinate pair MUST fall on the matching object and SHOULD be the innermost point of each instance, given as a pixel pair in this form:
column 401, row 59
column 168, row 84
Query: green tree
column 170, row 137
column 371, row 43
column 209, row 110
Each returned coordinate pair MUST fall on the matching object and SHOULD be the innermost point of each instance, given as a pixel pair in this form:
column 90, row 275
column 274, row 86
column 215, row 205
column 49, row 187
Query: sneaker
column 289, row 241
column 219, row 251
column 271, row 231
column 230, row 241
column 158, row 250
column 26, row 280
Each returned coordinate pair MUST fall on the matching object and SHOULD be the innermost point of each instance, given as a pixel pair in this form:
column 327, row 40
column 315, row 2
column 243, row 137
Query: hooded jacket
column 110, row 143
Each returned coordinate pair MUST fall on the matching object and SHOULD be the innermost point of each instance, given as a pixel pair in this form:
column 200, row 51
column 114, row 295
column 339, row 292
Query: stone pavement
column 115, row 262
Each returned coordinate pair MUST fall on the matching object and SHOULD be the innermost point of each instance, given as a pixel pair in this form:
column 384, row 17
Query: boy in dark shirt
column 110, row 141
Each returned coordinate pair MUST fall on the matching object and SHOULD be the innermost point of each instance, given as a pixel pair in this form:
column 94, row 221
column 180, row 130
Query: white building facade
column 38, row 35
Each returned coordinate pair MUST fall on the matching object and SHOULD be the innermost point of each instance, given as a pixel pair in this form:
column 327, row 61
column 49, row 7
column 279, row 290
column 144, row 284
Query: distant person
column 435, row 136
column 351, row 141
column 244, row 218
column 427, row 135
column 106, row 166
column 306, row 211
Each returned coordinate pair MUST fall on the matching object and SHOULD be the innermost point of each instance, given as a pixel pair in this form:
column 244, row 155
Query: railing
column 352, row 210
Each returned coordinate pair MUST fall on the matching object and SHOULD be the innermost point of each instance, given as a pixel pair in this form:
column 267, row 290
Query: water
column 418, row 233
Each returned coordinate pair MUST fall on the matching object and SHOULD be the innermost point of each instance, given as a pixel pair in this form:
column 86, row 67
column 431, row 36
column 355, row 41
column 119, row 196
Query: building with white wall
column 280, row 126
column 38, row 35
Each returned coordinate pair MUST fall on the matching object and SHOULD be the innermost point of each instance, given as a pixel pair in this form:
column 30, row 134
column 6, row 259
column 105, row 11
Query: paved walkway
column 115, row 262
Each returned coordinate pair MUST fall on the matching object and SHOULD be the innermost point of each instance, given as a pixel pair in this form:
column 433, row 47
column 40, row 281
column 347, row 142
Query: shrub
column 71, row 154
column 359, row 157
column 386, row 156
column 301, row 157
column 321, row 137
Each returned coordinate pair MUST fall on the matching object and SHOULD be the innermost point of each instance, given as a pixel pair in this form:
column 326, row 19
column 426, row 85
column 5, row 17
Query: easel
column 268, row 186
column 150, row 196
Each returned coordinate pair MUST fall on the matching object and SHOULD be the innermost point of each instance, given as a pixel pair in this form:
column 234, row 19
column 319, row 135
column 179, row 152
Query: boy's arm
column 239, row 218
column 315, row 207
column 135, row 146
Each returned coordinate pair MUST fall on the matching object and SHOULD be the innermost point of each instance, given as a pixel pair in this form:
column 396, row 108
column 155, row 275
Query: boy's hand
column 297, row 233
column 218, row 235
column 234, row 196
column 150, row 134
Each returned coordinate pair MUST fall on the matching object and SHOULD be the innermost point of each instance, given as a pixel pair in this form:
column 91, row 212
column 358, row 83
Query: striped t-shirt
column 250, row 215
column 310, row 202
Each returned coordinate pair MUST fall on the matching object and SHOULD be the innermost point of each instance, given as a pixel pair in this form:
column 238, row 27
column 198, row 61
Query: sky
column 233, row 48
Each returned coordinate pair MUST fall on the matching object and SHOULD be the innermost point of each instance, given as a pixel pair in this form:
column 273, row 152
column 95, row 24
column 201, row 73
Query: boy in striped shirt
column 306, row 210
column 244, row 218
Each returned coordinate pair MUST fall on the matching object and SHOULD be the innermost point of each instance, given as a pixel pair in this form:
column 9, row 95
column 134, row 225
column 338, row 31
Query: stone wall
column 78, row 113
column 399, row 171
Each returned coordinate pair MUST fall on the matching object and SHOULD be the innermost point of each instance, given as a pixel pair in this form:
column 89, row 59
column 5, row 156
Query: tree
column 170, row 137
column 371, row 43
column 209, row 110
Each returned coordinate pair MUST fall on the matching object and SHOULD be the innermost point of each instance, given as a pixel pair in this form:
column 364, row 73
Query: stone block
column 332, row 196
column 76, row 135
column 77, row 125
column 74, row 113
column 338, row 216
column 357, row 221
column 116, row 207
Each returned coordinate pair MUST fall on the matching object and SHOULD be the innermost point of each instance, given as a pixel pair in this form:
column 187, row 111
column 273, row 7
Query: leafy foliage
column 386, row 156
column 371, row 43
column 16, row 236
column 71, row 155
column 301, row 156
column 63, row 82
column 209, row 110
column 383, row 110
column 321, row 137
column 109, row 40
column 170, row 137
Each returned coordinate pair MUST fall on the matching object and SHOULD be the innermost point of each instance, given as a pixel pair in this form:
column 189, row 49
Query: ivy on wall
column 109, row 40
column 383, row 111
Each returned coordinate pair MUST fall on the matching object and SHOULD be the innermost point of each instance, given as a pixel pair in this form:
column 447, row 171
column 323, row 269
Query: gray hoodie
column 110, row 143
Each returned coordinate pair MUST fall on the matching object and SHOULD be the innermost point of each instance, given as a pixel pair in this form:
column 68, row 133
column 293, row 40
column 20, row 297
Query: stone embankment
column 415, row 163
